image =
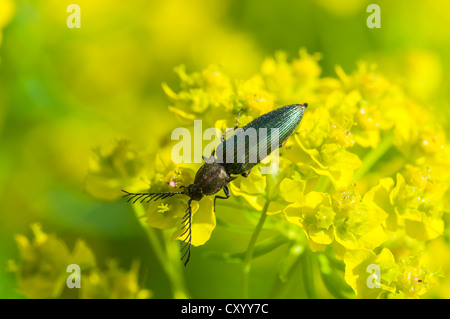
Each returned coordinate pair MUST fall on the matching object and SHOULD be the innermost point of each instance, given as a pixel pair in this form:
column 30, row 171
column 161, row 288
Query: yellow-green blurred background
column 65, row 92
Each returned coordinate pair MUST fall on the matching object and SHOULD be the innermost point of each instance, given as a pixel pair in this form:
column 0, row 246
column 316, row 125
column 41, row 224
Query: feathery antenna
column 148, row 196
column 186, row 225
column 186, row 221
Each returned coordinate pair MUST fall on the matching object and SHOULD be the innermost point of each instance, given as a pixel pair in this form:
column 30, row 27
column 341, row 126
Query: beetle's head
column 194, row 192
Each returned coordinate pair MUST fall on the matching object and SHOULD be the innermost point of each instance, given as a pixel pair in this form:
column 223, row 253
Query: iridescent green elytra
column 214, row 175
column 284, row 119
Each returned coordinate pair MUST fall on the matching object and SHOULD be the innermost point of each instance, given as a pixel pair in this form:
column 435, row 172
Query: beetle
column 242, row 154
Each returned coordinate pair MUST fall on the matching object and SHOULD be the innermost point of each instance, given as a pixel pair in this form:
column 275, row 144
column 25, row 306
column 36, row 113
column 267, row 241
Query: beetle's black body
column 215, row 174
column 210, row 179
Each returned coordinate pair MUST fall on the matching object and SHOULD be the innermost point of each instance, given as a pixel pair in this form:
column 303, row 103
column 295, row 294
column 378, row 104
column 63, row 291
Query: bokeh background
column 66, row 92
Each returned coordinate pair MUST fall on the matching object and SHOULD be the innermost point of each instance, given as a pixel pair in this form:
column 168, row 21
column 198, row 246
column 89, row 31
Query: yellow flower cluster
column 43, row 270
column 365, row 177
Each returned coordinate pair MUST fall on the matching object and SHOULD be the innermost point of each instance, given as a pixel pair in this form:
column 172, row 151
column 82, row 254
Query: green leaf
column 308, row 274
column 332, row 279
column 290, row 261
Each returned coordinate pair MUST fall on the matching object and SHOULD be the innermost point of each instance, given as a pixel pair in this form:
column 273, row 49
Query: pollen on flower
column 163, row 208
column 172, row 183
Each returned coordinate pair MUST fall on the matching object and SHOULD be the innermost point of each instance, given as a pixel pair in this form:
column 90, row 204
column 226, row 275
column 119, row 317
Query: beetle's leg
column 246, row 173
column 232, row 129
column 226, row 190
column 281, row 145
column 223, row 135
column 237, row 120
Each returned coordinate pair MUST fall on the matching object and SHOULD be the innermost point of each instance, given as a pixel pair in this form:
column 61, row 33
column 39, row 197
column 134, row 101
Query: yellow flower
column 438, row 266
column 121, row 168
column 203, row 222
column 168, row 178
column 113, row 283
column 360, row 225
column 254, row 98
column 414, row 279
column 205, row 93
column 291, row 82
column 334, row 161
column 372, row 85
column 367, row 125
column 279, row 188
column 407, row 278
column 418, row 205
column 306, row 68
column 360, row 264
column 432, row 140
column 42, row 271
column 314, row 214
column 168, row 213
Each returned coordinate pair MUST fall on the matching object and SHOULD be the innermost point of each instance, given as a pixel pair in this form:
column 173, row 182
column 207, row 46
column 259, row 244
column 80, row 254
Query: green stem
column 177, row 278
column 309, row 274
column 288, row 270
column 373, row 156
column 246, row 265
column 332, row 280
column 264, row 248
column 164, row 256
